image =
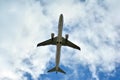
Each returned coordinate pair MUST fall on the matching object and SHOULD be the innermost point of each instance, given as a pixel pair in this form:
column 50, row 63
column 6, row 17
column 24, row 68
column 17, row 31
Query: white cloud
column 21, row 32
column 24, row 23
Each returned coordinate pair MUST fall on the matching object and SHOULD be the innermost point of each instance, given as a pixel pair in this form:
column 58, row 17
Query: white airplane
column 58, row 41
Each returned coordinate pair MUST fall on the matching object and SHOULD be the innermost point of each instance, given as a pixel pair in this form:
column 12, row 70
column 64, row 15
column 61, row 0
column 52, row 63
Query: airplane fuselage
column 59, row 40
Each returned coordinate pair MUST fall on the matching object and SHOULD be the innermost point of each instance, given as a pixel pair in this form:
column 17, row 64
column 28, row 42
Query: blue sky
column 94, row 25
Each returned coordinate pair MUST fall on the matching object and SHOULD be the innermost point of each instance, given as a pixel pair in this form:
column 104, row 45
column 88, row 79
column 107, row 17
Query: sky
column 94, row 25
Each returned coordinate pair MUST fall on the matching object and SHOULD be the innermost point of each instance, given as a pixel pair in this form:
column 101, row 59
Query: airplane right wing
column 48, row 42
column 70, row 44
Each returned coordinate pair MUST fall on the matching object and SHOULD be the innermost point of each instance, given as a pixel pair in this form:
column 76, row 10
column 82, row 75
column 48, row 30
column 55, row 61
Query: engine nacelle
column 66, row 36
column 52, row 35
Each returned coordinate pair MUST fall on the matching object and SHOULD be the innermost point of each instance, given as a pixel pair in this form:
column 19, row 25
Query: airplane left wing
column 70, row 44
column 48, row 42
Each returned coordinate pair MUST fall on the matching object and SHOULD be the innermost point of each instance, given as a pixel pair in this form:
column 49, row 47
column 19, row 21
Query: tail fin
column 59, row 70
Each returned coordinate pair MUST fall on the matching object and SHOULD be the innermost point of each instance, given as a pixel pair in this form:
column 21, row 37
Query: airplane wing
column 70, row 44
column 48, row 42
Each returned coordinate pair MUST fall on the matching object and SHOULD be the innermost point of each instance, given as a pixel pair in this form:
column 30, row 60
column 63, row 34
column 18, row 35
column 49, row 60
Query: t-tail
column 59, row 70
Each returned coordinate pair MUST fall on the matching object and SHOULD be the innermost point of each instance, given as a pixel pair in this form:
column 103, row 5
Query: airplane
column 58, row 41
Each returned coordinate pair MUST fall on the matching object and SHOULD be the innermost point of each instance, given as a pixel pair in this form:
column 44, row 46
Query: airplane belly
column 58, row 54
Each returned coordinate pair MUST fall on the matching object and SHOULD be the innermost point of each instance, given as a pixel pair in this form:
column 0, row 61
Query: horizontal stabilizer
column 59, row 70
column 52, row 70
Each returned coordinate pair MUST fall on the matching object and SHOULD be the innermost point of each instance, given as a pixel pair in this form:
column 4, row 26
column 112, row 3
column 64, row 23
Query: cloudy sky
column 94, row 25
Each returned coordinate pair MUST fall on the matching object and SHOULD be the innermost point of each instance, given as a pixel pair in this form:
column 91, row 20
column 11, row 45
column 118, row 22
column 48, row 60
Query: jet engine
column 66, row 36
column 52, row 35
